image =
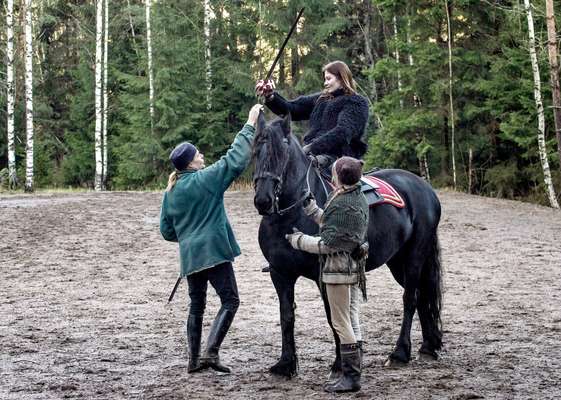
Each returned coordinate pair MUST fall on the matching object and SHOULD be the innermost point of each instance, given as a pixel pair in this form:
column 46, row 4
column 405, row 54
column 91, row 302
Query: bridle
column 278, row 182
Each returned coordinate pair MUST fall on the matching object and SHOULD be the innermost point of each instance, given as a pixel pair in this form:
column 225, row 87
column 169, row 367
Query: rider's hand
column 265, row 88
column 254, row 114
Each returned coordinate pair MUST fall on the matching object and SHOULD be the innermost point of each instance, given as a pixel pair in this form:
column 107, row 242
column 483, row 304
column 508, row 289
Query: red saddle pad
column 385, row 190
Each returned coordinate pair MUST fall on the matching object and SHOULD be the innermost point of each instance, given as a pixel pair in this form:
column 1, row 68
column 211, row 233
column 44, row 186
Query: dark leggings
column 222, row 279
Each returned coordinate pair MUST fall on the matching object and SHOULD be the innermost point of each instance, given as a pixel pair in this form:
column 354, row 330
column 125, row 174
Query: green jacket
column 193, row 211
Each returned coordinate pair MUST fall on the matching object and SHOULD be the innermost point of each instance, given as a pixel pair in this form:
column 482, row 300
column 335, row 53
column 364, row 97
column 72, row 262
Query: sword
column 174, row 289
column 283, row 45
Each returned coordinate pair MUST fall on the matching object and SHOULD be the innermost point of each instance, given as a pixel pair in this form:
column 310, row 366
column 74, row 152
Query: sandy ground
column 85, row 280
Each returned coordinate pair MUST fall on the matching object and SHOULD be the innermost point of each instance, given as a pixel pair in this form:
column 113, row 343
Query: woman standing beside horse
column 193, row 214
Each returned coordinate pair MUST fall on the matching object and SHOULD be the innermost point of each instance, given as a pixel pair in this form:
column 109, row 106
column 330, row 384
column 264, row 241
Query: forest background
column 473, row 126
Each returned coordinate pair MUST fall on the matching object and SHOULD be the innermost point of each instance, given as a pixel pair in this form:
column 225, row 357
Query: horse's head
column 271, row 152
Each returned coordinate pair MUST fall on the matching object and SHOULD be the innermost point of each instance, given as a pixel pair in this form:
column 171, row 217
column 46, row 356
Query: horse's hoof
column 393, row 363
column 427, row 355
column 285, row 369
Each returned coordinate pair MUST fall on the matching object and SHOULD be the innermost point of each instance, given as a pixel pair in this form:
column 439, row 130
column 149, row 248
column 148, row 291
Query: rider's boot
column 194, row 330
column 218, row 332
column 350, row 364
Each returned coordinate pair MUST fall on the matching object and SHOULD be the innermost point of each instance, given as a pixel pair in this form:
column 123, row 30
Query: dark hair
column 348, row 170
column 343, row 73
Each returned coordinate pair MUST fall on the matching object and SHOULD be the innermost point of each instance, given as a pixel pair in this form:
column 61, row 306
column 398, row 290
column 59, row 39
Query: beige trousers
column 339, row 297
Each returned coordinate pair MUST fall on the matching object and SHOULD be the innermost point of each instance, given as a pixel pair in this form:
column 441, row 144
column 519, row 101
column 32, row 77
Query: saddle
column 378, row 191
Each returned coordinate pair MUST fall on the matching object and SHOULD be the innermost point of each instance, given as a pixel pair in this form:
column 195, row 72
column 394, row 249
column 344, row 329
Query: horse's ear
column 261, row 121
column 286, row 125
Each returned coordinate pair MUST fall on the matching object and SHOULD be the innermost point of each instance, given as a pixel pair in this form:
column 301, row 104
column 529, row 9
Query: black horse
column 405, row 239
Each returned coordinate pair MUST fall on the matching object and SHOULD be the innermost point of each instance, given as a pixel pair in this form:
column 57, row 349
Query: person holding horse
column 337, row 115
column 193, row 215
column 342, row 249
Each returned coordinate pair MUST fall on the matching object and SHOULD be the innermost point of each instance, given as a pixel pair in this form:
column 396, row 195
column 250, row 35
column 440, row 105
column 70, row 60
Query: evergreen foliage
column 492, row 85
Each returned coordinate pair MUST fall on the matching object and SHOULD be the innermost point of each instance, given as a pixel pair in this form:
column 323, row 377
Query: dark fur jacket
column 337, row 123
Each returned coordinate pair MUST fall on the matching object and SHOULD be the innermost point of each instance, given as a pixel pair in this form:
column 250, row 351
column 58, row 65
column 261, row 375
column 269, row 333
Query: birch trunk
column 396, row 54
column 104, row 122
column 150, row 68
column 29, row 96
column 423, row 162
column 539, row 106
column 554, row 71
column 10, row 89
column 98, row 98
column 208, row 75
column 452, row 117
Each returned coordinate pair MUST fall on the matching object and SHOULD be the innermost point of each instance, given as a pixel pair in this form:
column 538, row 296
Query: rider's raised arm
column 351, row 123
column 300, row 108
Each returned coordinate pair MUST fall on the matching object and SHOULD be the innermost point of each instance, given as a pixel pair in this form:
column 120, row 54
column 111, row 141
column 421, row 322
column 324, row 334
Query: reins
column 279, row 182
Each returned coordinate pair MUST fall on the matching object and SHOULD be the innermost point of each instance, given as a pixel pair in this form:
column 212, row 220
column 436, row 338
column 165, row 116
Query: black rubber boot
column 194, row 330
column 350, row 363
column 218, row 332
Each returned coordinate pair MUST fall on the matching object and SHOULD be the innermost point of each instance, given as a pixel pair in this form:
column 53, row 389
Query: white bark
column 396, row 54
column 539, row 106
column 105, row 106
column 452, row 118
column 554, row 72
column 29, row 96
column 423, row 162
column 208, row 75
column 10, row 89
column 98, row 98
column 150, row 68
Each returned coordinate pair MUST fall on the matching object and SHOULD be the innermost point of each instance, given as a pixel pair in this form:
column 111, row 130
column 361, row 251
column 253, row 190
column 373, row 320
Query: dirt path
column 85, row 279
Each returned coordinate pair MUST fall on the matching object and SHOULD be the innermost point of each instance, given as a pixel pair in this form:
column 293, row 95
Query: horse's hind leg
column 430, row 304
column 287, row 366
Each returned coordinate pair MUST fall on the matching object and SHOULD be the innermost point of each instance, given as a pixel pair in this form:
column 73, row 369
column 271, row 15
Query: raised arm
column 220, row 175
column 299, row 108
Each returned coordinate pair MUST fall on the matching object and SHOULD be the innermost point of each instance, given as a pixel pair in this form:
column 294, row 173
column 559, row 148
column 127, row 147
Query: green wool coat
column 193, row 211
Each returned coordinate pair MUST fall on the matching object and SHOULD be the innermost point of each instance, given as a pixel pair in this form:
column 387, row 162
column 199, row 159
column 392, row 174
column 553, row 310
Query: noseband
column 278, row 181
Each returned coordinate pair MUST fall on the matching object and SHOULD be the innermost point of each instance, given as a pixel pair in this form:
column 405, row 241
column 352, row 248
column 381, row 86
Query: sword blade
column 174, row 289
column 283, row 45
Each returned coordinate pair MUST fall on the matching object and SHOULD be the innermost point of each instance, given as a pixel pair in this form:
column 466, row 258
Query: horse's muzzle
column 263, row 204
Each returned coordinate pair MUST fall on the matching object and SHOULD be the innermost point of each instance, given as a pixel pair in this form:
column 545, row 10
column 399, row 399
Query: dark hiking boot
column 218, row 332
column 350, row 364
column 194, row 330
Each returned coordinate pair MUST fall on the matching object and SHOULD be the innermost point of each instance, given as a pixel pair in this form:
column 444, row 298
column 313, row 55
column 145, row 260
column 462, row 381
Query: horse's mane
column 271, row 138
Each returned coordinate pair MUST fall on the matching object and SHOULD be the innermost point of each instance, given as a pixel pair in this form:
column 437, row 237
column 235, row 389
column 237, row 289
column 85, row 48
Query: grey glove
column 294, row 237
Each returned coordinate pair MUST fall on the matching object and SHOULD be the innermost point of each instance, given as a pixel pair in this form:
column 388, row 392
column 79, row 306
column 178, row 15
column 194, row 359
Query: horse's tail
column 430, row 298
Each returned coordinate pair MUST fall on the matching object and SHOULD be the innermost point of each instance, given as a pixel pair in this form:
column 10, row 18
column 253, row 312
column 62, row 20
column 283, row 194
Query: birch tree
column 208, row 11
column 554, row 71
column 422, row 158
column 105, row 105
column 539, row 107
column 10, row 89
column 396, row 54
column 98, row 98
column 29, row 96
column 150, row 67
column 450, row 76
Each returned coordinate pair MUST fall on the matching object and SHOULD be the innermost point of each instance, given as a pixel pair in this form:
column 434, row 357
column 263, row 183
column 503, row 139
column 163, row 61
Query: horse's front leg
column 287, row 366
